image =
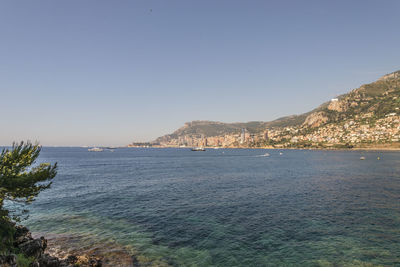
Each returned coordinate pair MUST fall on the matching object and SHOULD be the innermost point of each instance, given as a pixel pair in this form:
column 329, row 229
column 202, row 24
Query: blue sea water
column 228, row 207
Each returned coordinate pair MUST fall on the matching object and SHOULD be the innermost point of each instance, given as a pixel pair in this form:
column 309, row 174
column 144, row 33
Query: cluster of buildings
column 361, row 130
column 240, row 139
column 352, row 132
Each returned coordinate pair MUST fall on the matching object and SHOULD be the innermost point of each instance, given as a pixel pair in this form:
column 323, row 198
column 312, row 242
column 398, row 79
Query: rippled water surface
column 227, row 207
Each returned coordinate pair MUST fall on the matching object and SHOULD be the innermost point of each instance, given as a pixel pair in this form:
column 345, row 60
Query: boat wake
column 264, row 155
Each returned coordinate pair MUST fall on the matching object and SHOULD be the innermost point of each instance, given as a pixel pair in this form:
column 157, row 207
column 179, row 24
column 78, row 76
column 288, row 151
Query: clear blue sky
column 112, row 72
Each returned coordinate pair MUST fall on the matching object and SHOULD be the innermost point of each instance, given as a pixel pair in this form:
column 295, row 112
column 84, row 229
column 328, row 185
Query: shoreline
column 86, row 249
column 292, row 148
column 32, row 250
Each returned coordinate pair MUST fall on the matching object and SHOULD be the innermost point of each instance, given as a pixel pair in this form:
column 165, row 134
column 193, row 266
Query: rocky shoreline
column 34, row 250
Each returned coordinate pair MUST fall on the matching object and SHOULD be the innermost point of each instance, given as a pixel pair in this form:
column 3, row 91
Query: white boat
column 95, row 149
column 362, row 158
column 198, row 149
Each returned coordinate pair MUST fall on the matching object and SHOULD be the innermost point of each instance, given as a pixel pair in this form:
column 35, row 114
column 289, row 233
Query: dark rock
column 135, row 261
column 44, row 242
column 20, row 230
column 33, row 248
column 49, row 261
column 71, row 259
column 95, row 263
column 8, row 260
column 64, row 264
column 21, row 235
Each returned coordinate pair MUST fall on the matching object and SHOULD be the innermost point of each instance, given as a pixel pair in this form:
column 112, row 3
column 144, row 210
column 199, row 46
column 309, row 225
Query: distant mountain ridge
column 378, row 98
column 214, row 128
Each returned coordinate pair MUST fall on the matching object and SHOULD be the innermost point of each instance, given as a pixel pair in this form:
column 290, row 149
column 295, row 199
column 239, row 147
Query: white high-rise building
column 243, row 136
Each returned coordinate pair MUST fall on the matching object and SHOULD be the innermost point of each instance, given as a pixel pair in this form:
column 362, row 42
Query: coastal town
column 347, row 134
column 366, row 117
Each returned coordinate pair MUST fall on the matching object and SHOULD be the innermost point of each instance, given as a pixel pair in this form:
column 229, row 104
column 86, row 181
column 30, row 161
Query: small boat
column 198, row 149
column 362, row 158
column 95, row 149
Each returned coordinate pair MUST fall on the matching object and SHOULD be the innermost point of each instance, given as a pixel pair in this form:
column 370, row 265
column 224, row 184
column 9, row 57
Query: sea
column 222, row 207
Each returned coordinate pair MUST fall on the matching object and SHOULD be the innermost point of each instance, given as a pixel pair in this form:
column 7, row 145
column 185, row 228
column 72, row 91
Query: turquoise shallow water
column 228, row 207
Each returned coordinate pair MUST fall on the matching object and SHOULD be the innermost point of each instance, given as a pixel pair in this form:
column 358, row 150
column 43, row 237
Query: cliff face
column 315, row 119
column 338, row 106
column 373, row 101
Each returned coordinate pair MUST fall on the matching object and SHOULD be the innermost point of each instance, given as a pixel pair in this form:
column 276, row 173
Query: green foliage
column 18, row 179
column 212, row 128
column 23, row 261
column 20, row 182
column 7, row 231
column 288, row 121
column 376, row 88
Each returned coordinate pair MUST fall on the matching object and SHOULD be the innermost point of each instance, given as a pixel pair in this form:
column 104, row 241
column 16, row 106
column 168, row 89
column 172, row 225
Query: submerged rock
column 34, row 248
column 90, row 252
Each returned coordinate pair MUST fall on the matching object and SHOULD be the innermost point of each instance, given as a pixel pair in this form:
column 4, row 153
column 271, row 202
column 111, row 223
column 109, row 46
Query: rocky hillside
column 371, row 102
column 213, row 128
column 375, row 100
